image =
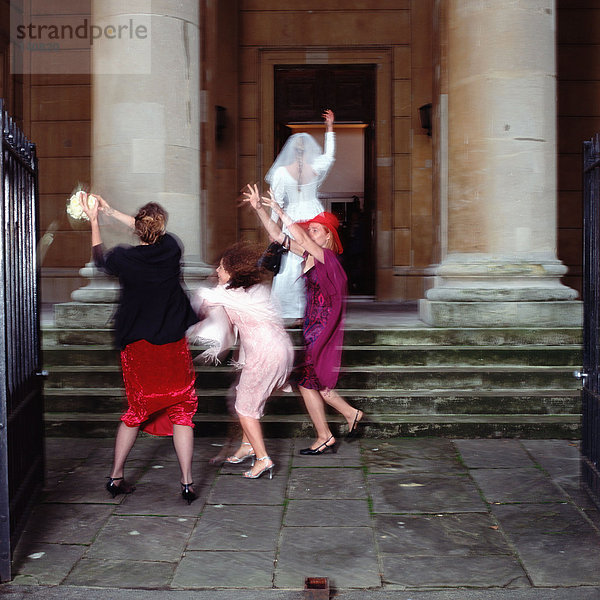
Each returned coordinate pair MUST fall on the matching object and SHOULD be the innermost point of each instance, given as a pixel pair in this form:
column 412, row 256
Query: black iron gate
column 590, row 433
column 21, row 413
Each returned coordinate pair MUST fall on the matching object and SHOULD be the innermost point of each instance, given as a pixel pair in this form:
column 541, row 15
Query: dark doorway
column 302, row 93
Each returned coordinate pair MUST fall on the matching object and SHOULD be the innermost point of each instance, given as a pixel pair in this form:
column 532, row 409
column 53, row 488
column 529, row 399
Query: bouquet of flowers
column 74, row 207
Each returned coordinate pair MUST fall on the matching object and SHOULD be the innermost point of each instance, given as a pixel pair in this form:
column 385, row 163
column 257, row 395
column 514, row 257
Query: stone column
column 501, row 266
column 146, row 124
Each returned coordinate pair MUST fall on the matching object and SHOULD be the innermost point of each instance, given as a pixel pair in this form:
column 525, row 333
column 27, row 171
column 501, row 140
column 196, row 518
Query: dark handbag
column 271, row 257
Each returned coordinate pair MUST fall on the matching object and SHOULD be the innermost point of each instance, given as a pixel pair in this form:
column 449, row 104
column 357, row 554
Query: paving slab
column 163, row 501
column 327, row 483
column 86, row 484
column 124, row 573
column 225, row 569
column 236, row 489
column 493, row 454
column 142, row 538
column 555, row 543
column 453, row 571
column 422, row 448
column 158, row 492
column 556, row 457
column 44, row 564
column 551, row 450
column 391, row 461
column 65, row 523
column 59, row 468
column 517, row 485
column 76, row 448
column 424, row 493
column 403, row 456
column 346, row 555
column 466, row 534
column 237, row 527
column 333, row 513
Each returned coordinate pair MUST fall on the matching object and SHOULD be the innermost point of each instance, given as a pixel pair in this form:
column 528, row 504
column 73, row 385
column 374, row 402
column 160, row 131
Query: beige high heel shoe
column 249, row 475
column 236, row 460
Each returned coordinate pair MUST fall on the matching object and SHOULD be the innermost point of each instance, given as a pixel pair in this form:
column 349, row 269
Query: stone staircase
column 409, row 378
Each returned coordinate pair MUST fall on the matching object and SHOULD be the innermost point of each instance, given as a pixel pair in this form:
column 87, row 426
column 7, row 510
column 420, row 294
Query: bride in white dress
column 295, row 178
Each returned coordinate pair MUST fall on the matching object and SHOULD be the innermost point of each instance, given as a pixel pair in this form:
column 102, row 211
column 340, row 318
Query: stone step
column 388, row 336
column 438, row 402
column 376, row 377
column 410, row 380
column 380, row 426
column 98, row 355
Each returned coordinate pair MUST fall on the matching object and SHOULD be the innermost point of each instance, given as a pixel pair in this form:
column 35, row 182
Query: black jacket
column 153, row 305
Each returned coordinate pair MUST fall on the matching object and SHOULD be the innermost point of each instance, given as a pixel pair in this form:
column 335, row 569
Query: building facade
column 459, row 128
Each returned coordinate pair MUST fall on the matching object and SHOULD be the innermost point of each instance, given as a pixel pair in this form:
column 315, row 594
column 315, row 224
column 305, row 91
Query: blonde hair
column 331, row 243
column 151, row 223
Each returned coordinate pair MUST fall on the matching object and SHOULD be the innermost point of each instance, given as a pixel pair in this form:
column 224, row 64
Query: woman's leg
column 253, row 432
column 245, row 448
column 316, row 411
column 124, row 441
column 346, row 410
column 183, row 441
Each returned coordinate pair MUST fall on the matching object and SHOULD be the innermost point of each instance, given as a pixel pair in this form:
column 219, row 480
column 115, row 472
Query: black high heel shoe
column 122, row 488
column 188, row 494
column 354, row 432
column 320, row 449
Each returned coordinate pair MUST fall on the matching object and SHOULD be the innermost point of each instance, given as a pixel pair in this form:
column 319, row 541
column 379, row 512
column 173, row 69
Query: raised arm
column 272, row 226
column 113, row 212
column 323, row 163
column 92, row 213
column 301, row 241
column 328, row 117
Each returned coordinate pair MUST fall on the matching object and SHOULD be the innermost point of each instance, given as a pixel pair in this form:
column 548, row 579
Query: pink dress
column 266, row 351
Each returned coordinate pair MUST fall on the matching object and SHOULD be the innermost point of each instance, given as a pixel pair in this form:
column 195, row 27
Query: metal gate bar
column 590, row 432
column 21, row 410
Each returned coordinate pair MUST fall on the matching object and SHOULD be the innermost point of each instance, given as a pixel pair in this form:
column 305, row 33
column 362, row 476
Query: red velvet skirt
column 159, row 384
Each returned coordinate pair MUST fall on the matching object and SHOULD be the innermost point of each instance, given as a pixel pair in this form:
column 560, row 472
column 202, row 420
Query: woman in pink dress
column 318, row 242
column 266, row 351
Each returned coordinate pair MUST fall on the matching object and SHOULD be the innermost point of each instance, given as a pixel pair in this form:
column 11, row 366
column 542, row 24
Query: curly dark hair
column 151, row 223
column 241, row 262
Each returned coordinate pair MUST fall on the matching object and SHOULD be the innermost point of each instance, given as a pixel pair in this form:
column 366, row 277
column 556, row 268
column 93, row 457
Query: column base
column 484, row 290
column 84, row 315
column 501, row 314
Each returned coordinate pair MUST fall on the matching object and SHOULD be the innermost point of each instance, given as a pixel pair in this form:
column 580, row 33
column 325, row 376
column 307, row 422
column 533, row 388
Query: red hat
column 330, row 221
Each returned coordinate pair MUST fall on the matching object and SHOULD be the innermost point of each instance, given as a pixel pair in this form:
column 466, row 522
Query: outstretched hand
column 252, row 196
column 270, row 202
column 90, row 211
column 329, row 117
column 103, row 204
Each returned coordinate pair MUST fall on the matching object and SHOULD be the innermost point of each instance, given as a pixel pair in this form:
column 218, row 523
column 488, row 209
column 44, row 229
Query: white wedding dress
column 301, row 203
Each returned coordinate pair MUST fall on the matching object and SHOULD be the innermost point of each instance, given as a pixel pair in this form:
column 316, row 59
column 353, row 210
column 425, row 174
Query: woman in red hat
column 318, row 242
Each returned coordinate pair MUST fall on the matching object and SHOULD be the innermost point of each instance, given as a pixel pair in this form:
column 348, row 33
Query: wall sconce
column 425, row 115
column 220, row 122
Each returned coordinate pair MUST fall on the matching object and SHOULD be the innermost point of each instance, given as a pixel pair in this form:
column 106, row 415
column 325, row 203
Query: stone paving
column 379, row 518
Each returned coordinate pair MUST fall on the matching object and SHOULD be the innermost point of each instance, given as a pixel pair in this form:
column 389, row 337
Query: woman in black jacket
column 150, row 324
